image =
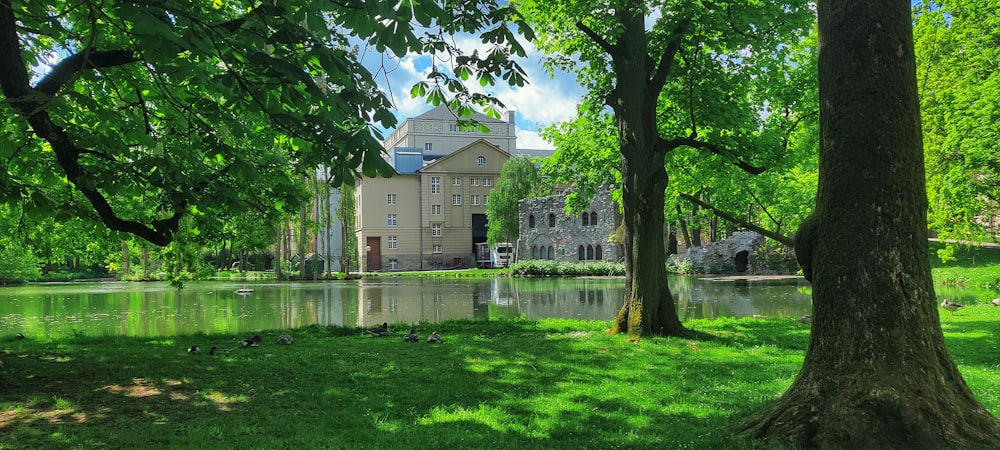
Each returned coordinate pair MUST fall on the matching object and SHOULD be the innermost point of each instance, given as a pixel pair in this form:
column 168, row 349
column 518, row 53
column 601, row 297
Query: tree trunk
column 279, row 235
column 648, row 308
column 877, row 373
column 125, row 260
column 684, row 226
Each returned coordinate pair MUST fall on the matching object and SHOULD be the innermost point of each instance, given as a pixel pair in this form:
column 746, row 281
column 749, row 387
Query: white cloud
column 543, row 101
column 532, row 140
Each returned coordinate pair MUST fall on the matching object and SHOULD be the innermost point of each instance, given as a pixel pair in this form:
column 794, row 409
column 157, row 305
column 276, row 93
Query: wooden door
column 373, row 258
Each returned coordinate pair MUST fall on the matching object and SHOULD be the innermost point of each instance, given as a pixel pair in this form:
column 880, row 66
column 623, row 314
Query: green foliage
column 139, row 114
column 681, row 266
column 550, row 268
column 554, row 384
column 966, row 265
column 957, row 48
column 17, row 262
column 519, row 179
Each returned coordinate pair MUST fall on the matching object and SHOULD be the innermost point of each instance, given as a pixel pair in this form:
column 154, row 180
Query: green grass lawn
column 973, row 267
column 496, row 384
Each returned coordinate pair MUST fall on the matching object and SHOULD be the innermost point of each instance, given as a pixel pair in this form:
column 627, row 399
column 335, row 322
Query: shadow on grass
column 496, row 384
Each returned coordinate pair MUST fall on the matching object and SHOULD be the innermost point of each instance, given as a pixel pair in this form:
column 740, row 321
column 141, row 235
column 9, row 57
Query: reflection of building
column 548, row 233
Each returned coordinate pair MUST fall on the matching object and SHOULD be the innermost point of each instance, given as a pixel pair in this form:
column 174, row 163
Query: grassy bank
column 975, row 267
column 497, row 384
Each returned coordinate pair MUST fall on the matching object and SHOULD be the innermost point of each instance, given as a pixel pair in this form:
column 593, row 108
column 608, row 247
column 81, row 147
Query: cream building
column 432, row 211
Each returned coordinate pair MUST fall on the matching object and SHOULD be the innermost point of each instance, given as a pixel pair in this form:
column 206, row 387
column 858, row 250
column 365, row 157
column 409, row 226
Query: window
column 552, row 220
column 392, row 242
column 435, row 185
column 436, row 229
column 598, row 253
column 586, row 219
column 390, row 199
column 474, row 181
column 428, row 146
column 487, row 181
column 393, row 264
column 435, row 210
column 456, row 199
column 456, row 181
column 590, row 253
column 391, row 220
column 480, row 160
column 581, row 253
column 437, row 248
column 531, row 221
column 453, row 128
column 552, row 252
column 534, row 252
column 593, row 218
column 475, row 199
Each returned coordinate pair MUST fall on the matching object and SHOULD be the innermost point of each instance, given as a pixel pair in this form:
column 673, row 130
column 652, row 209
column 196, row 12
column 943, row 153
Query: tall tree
column 519, row 179
column 957, row 49
column 678, row 76
column 208, row 109
column 877, row 373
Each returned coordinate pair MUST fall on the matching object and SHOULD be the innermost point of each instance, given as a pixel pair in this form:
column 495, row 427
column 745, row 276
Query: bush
column 550, row 268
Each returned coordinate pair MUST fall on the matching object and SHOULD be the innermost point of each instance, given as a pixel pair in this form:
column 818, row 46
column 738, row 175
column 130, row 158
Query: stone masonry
column 546, row 232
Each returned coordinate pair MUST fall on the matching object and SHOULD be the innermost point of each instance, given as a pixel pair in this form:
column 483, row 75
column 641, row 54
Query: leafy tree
column 519, row 179
column 679, row 77
column 158, row 110
column 17, row 262
column 957, row 49
column 345, row 211
column 877, row 373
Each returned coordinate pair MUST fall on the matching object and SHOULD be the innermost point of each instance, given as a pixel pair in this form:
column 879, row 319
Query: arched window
column 585, row 217
column 480, row 160
column 552, row 220
column 534, row 252
column 531, row 221
column 593, row 218
column 590, row 253
column 552, row 252
column 598, row 253
column 581, row 253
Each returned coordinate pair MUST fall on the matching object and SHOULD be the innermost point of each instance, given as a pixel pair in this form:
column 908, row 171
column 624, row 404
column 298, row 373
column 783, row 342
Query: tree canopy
column 519, row 179
column 957, row 50
column 138, row 114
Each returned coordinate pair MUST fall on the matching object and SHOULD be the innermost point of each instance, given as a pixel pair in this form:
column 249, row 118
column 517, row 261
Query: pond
column 155, row 309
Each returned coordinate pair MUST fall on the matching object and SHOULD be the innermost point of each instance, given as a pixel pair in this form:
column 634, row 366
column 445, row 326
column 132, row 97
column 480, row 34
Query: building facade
column 547, row 232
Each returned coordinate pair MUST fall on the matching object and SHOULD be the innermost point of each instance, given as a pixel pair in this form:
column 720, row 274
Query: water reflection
column 155, row 309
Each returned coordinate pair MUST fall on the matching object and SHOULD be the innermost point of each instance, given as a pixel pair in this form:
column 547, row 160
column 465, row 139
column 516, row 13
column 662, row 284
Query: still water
column 155, row 309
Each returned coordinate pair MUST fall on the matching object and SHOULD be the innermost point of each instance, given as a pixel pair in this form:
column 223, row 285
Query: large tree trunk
column 877, row 373
column 648, row 308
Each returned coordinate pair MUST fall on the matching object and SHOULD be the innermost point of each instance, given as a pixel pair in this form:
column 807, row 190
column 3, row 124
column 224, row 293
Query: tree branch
column 63, row 72
column 659, row 78
column 729, row 217
column 600, row 41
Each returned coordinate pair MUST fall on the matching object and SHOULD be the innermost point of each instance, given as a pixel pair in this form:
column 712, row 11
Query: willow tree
column 139, row 114
column 519, row 179
column 678, row 76
column 876, row 373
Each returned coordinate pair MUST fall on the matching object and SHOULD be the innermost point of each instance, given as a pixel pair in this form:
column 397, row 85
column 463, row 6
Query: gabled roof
column 475, row 143
column 442, row 112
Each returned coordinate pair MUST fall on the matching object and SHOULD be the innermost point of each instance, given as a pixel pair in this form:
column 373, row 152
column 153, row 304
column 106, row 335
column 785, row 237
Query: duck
column 194, row 350
column 412, row 337
column 217, row 350
column 435, row 338
column 951, row 306
column 806, row 319
column 21, row 335
column 380, row 331
column 250, row 341
column 996, row 302
column 285, row 339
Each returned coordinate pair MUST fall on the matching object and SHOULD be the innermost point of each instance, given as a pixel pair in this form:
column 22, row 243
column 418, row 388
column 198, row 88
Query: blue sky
column 544, row 101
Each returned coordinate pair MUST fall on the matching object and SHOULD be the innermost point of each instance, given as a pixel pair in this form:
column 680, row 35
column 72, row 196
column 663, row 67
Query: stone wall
column 742, row 252
column 565, row 235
